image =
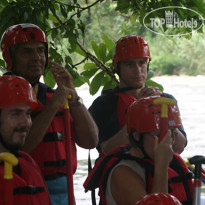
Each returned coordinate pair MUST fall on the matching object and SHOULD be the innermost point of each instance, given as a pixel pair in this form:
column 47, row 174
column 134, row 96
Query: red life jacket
column 124, row 101
column 180, row 179
column 28, row 184
column 50, row 154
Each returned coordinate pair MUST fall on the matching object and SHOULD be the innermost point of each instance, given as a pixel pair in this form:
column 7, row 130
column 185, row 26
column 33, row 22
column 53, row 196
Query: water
column 190, row 94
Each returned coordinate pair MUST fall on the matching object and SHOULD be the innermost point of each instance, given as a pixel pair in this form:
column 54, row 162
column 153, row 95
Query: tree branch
column 88, row 54
column 98, row 62
column 81, row 61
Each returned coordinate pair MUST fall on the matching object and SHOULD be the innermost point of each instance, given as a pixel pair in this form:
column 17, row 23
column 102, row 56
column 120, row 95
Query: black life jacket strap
column 28, row 190
column 93, row 198
column 59, row 163
column 53, row 136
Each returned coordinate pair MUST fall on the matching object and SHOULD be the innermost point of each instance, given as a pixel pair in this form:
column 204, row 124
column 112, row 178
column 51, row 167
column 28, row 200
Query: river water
column 190, row 94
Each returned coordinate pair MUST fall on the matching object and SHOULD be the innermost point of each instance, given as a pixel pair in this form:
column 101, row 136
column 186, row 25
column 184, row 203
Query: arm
column 115, row 141
column 131, row 187
column 181, row 138
column 44, row 119
column 86, row 131
column 128, row 187
column 180, row 142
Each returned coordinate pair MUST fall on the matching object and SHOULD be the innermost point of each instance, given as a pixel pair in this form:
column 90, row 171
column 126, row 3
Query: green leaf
column 96, row 83
column 79, row 81
column 49, row 78
column 89, row 73
column 95, row 48
column 123, row 6
column 80, row 51
column 150, row 74
column 154, row 84
column 63, row 11
column 2, row 63
column 108, row 42
column 90, row 66
column 102, row 52
column 133, row 18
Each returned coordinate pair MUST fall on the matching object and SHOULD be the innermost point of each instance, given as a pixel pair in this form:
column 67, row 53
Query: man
column 17, row 99
column 25, row 51
column 131, row 62
column 126, row 175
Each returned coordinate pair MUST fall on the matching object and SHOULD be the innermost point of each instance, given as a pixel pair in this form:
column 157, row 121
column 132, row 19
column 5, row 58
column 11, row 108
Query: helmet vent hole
column 31, row 36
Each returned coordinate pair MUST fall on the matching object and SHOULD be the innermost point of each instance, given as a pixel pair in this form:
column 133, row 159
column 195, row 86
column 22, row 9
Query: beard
column 13, row 147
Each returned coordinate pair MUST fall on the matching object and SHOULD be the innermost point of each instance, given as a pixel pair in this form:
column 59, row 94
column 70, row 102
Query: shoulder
column 107, row 99
column 45, row 88
column 167, row 95
column 131, row 165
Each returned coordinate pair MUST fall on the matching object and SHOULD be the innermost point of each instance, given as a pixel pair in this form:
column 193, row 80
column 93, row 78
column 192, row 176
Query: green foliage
column 82, row 33
column 103, row 51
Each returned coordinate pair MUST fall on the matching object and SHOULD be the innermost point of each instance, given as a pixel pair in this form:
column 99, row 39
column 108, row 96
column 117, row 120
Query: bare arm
column 41, row 123
column 44, row 119
column 128, row 187
column 118, row 139
column 180, row 142
column 85, row 128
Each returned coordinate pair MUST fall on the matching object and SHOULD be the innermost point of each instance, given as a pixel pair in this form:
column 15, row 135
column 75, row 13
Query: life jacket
column 180, row 179
column 50, row 154
column 109, row 111
column 124, row 101
column 28, row 184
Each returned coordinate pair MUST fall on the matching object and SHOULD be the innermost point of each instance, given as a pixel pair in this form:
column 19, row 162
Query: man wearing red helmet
column 17, row 99
column 149, row 165
column 25, row 51
column 131, row 62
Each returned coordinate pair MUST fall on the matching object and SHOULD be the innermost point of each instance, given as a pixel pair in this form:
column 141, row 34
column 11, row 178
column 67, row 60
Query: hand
column 148, row 91
column 163, row 151
column 65, row 84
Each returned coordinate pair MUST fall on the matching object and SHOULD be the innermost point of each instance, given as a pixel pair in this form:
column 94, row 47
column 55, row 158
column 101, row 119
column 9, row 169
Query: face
column 15, row 123
column 30, row 60
column 133, row 72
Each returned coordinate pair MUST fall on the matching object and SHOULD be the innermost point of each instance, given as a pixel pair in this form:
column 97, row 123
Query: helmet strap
column 139, row 144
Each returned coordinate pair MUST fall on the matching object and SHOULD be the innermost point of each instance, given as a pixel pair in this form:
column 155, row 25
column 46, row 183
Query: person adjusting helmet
column 159, row 199
column 21, row 33
column 144, row 116
column 130, row 47
column 14, row 90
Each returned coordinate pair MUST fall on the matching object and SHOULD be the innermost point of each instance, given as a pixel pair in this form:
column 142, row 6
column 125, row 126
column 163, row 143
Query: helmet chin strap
column 138, row 144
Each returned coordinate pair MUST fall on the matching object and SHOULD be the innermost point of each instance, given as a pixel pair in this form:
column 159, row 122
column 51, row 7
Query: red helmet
column 130, row 47
column 159, row 199
column 21, row 33
column 144, row 116
column 14, row 90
